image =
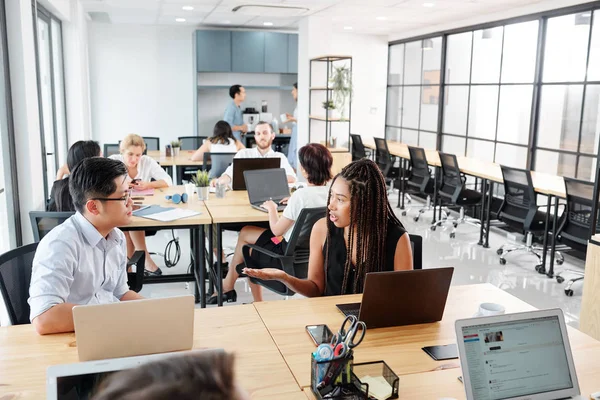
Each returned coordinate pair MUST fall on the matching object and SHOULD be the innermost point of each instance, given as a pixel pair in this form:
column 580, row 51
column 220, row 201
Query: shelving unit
column 335, row 137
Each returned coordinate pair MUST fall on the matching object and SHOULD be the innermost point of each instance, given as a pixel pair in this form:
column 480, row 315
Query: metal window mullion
column 469, row 96
column 442, row 93
column 537, row 93
column 420, row 94
column 499, row 91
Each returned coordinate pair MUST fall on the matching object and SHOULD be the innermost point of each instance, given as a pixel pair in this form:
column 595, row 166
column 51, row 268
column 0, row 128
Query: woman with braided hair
column 360, row 234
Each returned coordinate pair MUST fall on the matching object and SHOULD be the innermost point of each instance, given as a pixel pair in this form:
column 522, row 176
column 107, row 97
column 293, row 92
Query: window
column 10, row 229
column 50, row 93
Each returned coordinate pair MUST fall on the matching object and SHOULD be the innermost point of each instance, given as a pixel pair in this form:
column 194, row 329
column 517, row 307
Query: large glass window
column 50, row 93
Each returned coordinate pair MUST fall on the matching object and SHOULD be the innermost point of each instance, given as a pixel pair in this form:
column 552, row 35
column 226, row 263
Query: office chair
column 216, row 163
column 385, row 161
column 419, row 179
column 43, row 222
column 358, row 148
column 152, row 143
column 295, row 259
column 416, row 244
column 191, row 142
column 453, row 193
column 574, row 229
column 111, row 149
column 520, row 211
column 15, row 275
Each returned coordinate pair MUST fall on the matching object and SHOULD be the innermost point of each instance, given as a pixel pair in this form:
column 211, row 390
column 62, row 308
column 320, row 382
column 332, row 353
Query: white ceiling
column 383, row 17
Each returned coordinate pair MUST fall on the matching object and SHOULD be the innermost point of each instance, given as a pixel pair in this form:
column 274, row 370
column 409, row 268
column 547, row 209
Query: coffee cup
column 490, row 309
column 189, row 190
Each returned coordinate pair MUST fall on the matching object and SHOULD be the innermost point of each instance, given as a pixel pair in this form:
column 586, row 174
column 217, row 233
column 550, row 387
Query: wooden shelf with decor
column 323, row 127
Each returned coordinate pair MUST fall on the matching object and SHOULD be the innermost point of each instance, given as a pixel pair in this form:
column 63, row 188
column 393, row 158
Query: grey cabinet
column 247, row 51
column 276, row 52
column 292, row 54
column 213, row 51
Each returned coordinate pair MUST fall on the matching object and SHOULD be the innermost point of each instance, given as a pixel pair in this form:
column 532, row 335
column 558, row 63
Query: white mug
column 189, row 189
column 489, row 309
column 283, row 118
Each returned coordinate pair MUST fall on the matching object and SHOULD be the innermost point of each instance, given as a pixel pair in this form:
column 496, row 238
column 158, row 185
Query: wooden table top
column 182, row 160
column 543, row 183
column 158, row 198
column 260, row 369
column 399, row 347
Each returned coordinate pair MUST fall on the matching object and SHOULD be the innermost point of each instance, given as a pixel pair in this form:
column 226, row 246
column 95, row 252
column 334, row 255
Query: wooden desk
column 400, row 347
column 232, row 198
column 260, row 369
column 181, row 160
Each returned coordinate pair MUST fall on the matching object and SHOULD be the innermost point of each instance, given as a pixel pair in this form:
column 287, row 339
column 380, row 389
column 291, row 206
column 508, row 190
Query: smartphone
column 319, row 333
column 135, row 181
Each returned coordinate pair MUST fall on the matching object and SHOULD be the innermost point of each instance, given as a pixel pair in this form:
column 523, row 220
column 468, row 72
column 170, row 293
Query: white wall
column 141, row 81
column 369, row 73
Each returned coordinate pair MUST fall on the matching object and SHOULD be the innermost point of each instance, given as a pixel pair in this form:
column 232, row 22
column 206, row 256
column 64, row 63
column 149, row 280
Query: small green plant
column 328, row 105
column 176, row 144
column 200, row 178
column 341, row 83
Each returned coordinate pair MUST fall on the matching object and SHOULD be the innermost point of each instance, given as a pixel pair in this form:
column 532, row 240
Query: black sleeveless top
column 337, row 259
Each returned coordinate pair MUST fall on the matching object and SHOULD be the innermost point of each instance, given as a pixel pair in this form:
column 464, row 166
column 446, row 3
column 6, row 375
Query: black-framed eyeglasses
column 124, row 199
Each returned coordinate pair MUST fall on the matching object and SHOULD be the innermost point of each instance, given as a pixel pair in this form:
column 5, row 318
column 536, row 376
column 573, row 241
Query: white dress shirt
column 254, row 153
column 148, row 168
column 75, row 264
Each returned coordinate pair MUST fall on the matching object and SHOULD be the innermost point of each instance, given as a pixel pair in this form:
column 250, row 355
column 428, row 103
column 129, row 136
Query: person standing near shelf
column 293, row 118
column 233, row 112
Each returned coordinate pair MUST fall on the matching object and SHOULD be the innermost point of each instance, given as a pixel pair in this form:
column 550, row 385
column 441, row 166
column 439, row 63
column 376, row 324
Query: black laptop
column 402, row 297
column 266, row 184
column 248, row 164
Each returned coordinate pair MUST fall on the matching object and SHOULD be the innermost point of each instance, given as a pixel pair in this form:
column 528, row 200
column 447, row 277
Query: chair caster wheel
column 569, row 292
column 502, row 261
column 455, row 225
column 540, row 269
column 560, row 279
column 416, row 219
column 404, row 213
column 433, row 228
column 452, row 235
column 499, row 252
column 560, row 262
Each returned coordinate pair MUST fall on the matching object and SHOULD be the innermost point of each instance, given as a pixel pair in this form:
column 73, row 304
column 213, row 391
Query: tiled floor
column 472, row 263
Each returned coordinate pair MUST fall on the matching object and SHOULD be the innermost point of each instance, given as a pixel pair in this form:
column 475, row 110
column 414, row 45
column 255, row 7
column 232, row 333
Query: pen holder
column 377, row 370
column 342, row 385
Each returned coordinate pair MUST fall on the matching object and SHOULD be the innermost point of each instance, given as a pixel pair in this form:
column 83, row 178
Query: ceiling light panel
column 271, row 10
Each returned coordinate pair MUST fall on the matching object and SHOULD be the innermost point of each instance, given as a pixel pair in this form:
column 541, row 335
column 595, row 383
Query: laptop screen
column 80, row 387
column 516, row 358
column 265, row 184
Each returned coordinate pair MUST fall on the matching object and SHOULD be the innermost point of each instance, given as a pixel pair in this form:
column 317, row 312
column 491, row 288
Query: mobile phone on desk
column 319, row 333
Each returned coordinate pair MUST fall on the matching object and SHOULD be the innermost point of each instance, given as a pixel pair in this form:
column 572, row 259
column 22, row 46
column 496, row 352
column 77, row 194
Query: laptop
column 402, row 297
column 248, row 164
column 267, row 184
column 133, row 328
column 517, row 356
column 81, row 380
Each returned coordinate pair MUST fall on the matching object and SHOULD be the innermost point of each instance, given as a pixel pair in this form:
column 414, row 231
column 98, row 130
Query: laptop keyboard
column 354, row 312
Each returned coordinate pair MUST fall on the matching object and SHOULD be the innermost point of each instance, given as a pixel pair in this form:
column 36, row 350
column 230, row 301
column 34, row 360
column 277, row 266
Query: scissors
column 346, row 338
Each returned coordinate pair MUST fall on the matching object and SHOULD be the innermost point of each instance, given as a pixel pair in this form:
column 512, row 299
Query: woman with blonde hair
column 145, row 173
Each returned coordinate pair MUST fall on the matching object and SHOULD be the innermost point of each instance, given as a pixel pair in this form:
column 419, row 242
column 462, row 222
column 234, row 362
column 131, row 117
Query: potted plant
column 176, row 145
column 341, row 83
column 329, row 107
column 202, row 182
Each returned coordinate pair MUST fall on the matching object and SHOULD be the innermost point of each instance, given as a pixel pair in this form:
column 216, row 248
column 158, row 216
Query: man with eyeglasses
column 84, row 260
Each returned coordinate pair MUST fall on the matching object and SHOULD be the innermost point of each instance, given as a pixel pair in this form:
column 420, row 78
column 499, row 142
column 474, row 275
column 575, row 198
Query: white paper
column 172, row 215
column 378, row 387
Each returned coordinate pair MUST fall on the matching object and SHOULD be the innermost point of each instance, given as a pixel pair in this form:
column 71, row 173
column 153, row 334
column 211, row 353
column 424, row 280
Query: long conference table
column 273, row 350
column 490, row 173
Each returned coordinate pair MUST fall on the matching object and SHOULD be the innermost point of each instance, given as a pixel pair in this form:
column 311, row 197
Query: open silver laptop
column 133, row 328
column 517, row 356
column 266, row 184
column 81, row 380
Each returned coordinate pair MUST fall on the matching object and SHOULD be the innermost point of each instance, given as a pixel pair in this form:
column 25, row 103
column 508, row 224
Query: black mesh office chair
column 15, row 275
column 43, row 222
column 520, row 211
column 386, row 162
column 454, row 193
column 416, row 243
column 152, row 143
column 574, row 229
column 358, row 148
column 111, row 149
column 295, row 259
column 191, row 142
column 419, row 179
column 218, row 163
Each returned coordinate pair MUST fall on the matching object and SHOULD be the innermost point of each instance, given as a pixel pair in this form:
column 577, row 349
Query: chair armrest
column 286, row 262
column 246, row 250
column 136, row 280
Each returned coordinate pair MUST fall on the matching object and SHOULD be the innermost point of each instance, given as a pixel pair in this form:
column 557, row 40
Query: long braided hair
column 370, row 212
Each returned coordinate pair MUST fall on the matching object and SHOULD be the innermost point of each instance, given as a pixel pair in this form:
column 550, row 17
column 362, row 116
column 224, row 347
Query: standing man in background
column 293, row 118
column 233, row 112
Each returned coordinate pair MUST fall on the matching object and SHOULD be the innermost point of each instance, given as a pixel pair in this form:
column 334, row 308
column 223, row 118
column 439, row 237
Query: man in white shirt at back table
column 264, row 136
column 84, row 260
